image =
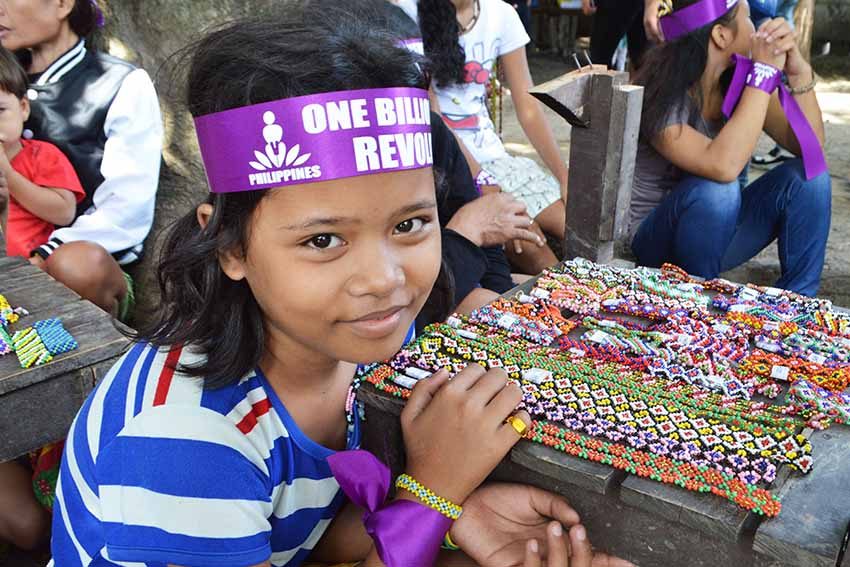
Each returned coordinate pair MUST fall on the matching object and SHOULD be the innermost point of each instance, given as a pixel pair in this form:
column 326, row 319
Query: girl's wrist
column 801, row 78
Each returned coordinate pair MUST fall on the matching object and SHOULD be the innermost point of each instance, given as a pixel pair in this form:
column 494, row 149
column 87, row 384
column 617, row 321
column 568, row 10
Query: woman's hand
column 455, row 432
column 772, row 42
column 561, row 553
column 494, row 219
column 650, row 21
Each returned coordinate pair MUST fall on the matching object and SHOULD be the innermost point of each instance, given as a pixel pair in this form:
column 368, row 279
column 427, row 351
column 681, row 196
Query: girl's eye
column 410, row 225
column 324, row 241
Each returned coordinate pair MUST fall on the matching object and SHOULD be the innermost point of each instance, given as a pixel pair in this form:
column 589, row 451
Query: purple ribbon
column 99, row 19
column 316, row 137
column 406, row 533
column 693, row 17
column 814, row 161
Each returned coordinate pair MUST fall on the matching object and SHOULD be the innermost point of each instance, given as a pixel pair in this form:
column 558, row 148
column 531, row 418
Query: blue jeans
column 707, row 227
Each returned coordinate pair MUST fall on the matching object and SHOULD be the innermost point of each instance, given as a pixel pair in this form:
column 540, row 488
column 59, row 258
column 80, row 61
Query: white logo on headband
column 762, row 72
column 277, row 163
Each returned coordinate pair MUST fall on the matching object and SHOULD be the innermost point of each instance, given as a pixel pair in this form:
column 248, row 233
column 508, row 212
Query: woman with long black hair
column 698, row 132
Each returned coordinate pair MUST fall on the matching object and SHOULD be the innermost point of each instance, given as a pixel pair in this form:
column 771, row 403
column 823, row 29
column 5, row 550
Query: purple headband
column 99, row 20
column 316, row 138
column 684, row 21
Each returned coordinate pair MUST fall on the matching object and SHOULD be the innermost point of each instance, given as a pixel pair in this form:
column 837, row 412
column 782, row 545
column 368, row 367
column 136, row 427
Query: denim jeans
column 707, row 227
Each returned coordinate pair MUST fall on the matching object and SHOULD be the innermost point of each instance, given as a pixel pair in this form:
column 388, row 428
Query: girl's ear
column 722, row 36
column 232, row 263
column 25, row 108
column 64, row 8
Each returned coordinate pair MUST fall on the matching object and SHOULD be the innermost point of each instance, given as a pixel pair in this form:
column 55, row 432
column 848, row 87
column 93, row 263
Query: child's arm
column 530, row 115
column 54, row 205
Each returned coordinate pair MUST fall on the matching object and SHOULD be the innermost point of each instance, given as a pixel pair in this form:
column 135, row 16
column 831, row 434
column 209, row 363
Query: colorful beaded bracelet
column 426, row 496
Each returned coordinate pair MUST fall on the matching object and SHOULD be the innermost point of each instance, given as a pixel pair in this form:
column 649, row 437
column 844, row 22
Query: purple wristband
column 764, row 77
column 405, row 532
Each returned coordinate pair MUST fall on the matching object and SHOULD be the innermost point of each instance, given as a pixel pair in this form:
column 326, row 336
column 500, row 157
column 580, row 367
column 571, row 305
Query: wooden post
column 605, row 113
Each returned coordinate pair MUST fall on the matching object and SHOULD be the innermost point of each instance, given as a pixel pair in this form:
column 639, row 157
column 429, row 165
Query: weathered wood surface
column 38, row 404
column 605, row 113
column 655, row 524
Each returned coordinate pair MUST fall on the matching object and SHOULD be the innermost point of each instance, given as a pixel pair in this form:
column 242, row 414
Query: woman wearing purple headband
column 710, row 90
column 227, row 434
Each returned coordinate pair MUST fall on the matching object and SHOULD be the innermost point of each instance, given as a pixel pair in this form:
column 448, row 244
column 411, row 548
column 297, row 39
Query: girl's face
column 743, row 30
column 341, row 268
column 28, row 23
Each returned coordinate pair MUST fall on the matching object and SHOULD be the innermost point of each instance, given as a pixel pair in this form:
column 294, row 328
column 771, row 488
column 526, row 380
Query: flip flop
column 776, row 155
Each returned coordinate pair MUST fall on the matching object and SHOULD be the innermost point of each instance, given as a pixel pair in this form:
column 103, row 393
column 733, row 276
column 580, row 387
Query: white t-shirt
column 464, row 107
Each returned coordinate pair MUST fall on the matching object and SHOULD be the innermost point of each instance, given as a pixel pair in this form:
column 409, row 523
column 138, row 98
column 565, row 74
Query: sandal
column 776, row 155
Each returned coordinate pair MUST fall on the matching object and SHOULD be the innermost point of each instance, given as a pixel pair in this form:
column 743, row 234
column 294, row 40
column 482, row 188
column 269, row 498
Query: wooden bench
column 38, row 404
column 655, row 524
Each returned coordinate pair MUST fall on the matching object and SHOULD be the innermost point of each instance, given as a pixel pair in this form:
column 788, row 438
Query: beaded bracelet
column 426, row 496
column 5, row 342
column 30, row 348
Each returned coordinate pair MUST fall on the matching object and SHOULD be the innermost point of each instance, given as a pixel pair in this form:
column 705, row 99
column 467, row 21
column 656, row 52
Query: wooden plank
column 815, row 507
column 40, row 414
column 623, row 142
column 581, row 473
column 707, row 513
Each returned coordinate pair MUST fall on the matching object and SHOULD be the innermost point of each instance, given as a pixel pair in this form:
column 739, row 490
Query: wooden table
column 38, row 404
column 655, row 524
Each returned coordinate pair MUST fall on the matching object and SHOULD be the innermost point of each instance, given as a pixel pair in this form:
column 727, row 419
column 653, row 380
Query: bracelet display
column 428, row 497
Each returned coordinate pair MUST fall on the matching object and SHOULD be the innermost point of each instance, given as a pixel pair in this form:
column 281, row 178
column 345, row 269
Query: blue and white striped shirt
column 159, row 471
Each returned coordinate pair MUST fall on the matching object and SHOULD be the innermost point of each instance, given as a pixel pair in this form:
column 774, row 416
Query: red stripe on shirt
column 167, row 374
column 258, row 410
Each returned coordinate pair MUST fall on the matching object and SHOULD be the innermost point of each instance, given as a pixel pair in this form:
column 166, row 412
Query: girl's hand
column 561, row 553
column 499, row 519
column 651, row 23
column 772, row 42
column 455, row 431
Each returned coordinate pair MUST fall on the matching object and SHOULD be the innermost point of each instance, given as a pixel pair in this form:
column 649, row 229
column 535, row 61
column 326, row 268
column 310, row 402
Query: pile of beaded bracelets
column 658, row 468
column 770, row 366
column 8, row 315
column 38, row 344
column 426, row 496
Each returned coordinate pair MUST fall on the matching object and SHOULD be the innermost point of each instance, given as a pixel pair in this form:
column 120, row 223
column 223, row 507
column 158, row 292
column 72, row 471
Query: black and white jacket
column 103, row 113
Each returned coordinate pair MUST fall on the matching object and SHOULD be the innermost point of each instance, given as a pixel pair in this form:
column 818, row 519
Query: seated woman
column 463, row 40
column 103, row 114
column 687, row 205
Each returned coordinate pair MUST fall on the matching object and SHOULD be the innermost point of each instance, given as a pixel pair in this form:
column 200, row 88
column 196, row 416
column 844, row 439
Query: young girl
column 463, row 40
column 687, row 206
column 208, row 443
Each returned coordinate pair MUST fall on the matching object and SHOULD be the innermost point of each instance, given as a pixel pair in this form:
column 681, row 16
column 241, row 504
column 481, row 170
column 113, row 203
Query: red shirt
column 46, row 166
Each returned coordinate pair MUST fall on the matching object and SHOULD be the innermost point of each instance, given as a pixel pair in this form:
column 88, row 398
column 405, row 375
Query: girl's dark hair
column 440, row 32
column 670, row 71
column 83, row 18
column 13, row 78
column 300, row 48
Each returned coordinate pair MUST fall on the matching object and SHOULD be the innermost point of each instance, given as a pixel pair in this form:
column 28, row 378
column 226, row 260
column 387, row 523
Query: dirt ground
column 833, row 91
